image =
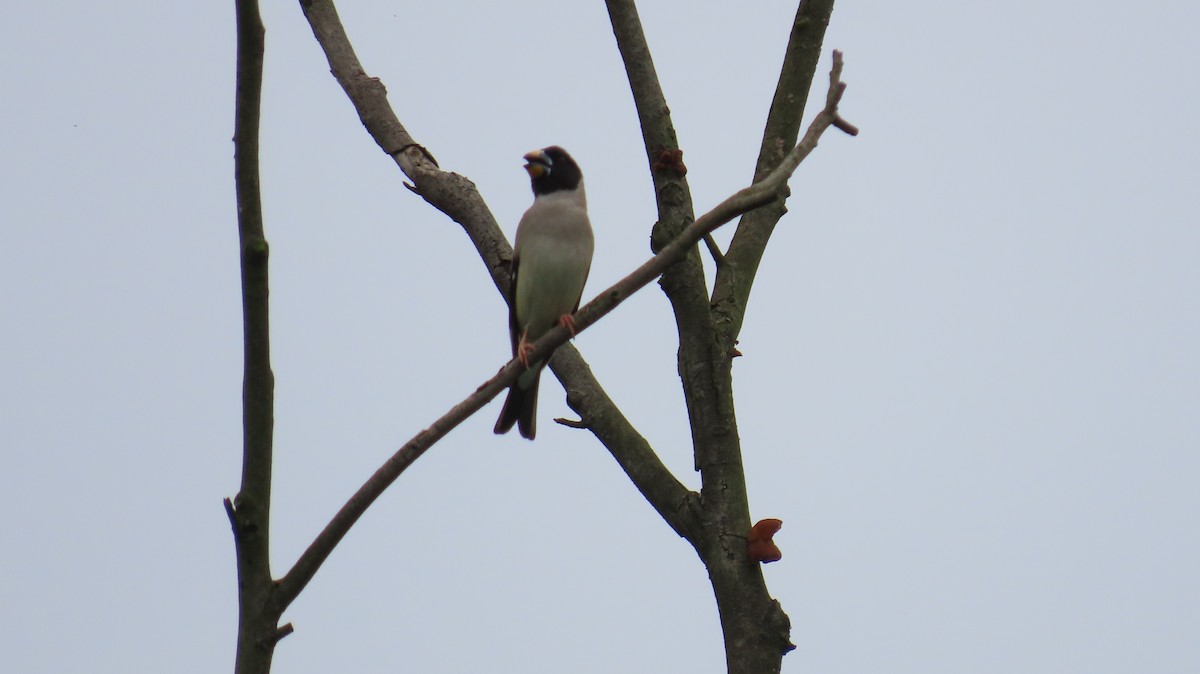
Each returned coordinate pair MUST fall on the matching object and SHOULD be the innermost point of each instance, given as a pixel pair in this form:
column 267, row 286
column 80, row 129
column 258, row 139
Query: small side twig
column 232, row 517
column 845, row 126
column 280, row 634
column 571, row 423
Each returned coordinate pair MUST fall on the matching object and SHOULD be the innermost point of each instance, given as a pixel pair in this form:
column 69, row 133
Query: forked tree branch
column 741, row 202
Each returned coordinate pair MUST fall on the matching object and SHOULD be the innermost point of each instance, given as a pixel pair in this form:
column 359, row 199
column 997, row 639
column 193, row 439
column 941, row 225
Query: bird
column 552, row 255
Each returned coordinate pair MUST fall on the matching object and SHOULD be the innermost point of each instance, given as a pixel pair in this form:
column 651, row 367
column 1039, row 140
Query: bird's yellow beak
column 538, row 164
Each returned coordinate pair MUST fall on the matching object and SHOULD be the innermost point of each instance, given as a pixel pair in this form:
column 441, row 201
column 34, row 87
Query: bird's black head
column 551, row 170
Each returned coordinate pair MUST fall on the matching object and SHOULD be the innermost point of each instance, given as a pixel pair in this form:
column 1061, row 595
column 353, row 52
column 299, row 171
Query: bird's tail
column 520, row 408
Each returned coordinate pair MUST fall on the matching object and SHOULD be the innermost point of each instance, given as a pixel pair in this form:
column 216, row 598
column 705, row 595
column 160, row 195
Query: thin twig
column 281, row 633
column 714, row 250
column 232, row 516
column 845, row 126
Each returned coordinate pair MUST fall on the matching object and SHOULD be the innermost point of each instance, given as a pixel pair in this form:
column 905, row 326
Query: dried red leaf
column 759, row 545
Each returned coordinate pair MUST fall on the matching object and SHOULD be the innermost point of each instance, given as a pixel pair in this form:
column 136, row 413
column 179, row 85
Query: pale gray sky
column 970, row 386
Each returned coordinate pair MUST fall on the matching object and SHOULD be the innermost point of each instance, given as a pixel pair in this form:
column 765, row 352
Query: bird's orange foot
column 523, row 350
column 568, row 322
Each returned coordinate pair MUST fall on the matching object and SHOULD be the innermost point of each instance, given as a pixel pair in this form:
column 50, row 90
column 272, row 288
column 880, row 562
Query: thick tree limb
column 731, row 289
column 755, row 627
column 754, row 638
column 680, row 513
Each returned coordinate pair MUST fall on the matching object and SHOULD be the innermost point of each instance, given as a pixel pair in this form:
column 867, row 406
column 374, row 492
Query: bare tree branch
column 671, row 191
column 322, row 546
column 681, row 514
column 258, row 384
column 250, row 511
column 450, row 193
column 731, row 289
column 714, row 250
column 318, row 551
